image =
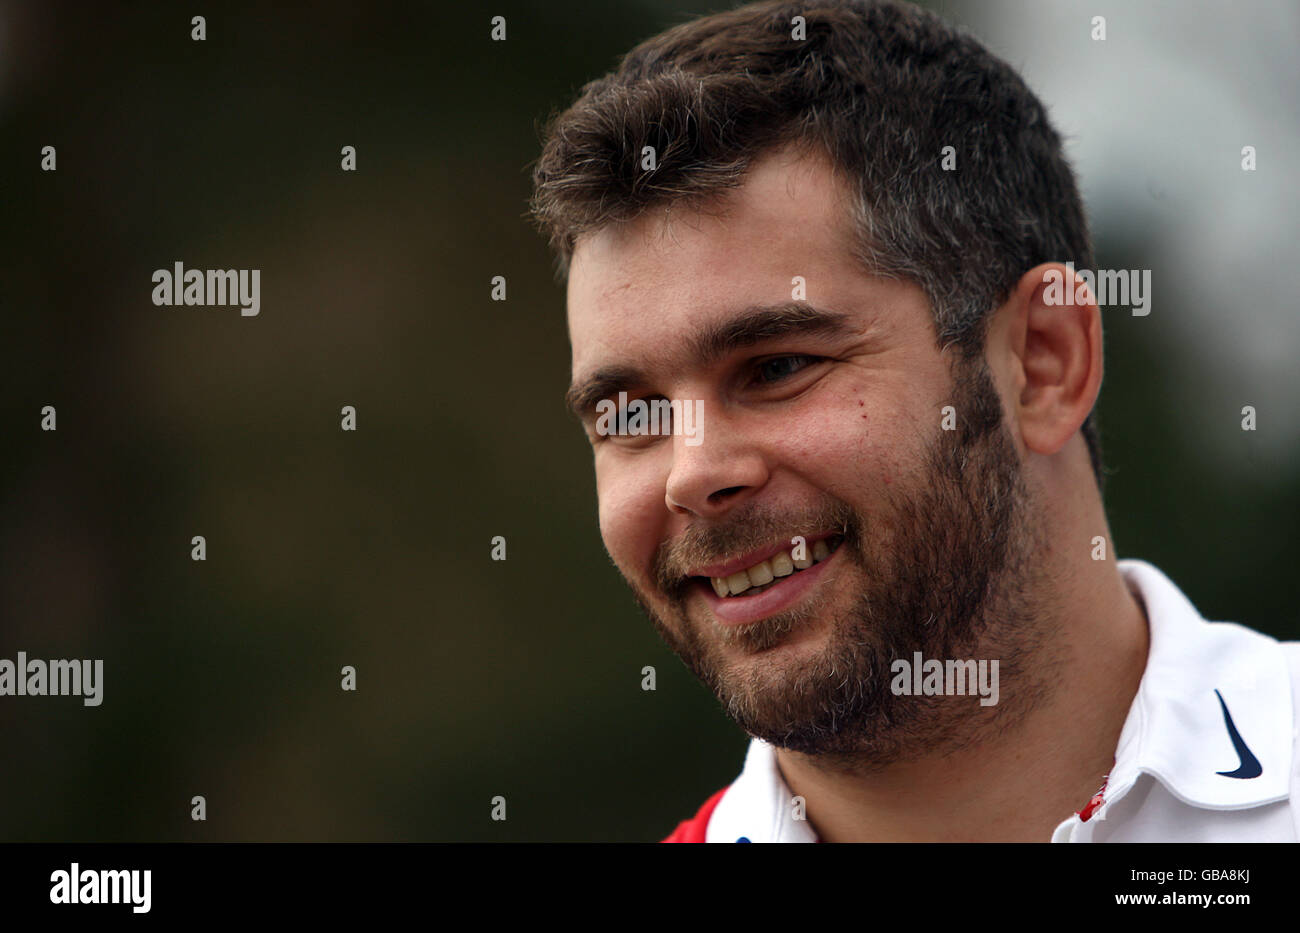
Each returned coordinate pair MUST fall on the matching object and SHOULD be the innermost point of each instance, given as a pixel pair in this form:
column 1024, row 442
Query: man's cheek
column 625, row 528
column 610, row 532
column 835, row 454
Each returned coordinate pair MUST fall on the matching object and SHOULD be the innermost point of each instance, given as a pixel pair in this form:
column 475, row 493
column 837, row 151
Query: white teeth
column 782, row 565
column 738, row 582
column 762, row 574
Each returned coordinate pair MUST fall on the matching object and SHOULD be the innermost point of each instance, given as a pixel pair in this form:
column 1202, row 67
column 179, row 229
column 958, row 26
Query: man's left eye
column 781, row 367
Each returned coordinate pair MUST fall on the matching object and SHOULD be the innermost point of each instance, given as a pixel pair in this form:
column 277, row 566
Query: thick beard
column 952, row 573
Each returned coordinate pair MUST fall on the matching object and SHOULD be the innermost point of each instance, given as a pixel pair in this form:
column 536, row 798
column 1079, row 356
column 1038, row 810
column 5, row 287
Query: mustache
column 747, row 529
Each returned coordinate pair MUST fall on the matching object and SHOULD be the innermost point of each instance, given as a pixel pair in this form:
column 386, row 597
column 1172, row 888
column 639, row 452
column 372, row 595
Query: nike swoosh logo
column 1250, row 766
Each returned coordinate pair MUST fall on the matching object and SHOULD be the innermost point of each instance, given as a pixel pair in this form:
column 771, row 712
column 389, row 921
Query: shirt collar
column 1176, row 730
column 1201, row 676
column 758, row 806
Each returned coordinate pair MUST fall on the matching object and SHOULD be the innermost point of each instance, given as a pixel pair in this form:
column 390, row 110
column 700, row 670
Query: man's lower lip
column 742, row 610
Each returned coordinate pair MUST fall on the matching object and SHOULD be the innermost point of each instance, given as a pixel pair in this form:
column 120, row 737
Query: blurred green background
column 476, row 678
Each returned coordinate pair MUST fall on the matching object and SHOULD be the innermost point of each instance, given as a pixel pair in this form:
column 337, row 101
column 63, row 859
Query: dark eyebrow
column 767, row 322
column 753, row 325
column 603, row 383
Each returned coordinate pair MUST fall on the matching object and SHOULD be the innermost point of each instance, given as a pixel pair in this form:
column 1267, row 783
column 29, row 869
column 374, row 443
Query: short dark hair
column 881, row 88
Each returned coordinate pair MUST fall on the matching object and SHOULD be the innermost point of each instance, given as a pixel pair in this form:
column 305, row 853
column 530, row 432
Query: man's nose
column 717, row 474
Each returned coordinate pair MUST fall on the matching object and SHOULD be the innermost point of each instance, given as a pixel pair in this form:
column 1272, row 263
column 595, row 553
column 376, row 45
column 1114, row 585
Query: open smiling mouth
column 771, row 571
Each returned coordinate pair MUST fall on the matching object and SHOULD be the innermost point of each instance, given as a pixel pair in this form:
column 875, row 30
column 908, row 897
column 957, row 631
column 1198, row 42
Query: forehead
column 637, row 289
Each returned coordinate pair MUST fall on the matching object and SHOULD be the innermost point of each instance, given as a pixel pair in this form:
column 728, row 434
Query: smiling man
column 834, row 228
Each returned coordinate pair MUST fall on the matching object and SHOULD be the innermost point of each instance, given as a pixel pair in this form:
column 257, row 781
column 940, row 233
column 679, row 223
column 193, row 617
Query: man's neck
column 1021, row 783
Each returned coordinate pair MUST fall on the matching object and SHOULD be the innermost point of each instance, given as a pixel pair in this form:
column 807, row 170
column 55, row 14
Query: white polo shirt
column 1207, row 752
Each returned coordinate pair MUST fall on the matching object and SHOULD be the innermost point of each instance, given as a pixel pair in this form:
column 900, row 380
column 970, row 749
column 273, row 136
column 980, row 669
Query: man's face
column 821, row 419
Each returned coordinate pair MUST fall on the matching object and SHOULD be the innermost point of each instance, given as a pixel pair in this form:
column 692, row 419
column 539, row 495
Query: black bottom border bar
column 301, row 880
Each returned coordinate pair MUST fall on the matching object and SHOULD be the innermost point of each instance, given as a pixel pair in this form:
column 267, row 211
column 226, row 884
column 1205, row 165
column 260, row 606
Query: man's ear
column 1050, row 336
